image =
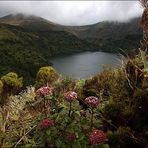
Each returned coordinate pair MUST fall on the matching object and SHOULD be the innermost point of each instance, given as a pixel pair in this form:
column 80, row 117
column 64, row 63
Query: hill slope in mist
column 105, row 36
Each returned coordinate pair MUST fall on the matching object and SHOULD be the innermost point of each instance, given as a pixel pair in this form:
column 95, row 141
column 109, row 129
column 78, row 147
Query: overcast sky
column 75, row 12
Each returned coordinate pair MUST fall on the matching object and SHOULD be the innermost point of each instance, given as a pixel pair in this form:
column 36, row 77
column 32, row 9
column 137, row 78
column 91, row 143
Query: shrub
column 12, row 80
column 11, row 84
column 45, row 75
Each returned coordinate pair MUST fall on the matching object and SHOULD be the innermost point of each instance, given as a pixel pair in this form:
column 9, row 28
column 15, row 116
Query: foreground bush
column 59, row 123
column 9, row 84
column 45, row 75
column 124, row 92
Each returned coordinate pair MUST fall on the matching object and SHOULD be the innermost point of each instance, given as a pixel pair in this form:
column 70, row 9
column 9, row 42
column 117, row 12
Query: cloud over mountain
column 75, row 12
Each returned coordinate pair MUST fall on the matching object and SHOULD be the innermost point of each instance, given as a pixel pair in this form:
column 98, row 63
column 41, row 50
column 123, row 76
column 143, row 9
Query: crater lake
column 85, row 64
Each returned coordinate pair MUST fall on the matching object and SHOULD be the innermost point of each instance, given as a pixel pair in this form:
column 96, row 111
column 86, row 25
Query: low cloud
column 75, row 12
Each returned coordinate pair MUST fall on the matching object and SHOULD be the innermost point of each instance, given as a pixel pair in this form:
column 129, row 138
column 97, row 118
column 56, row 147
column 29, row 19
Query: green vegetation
column 124, row 92
column 113, row 36
column 45, row 76
column 32, row 50
column 10, row 83
column 107, row 110
column 1, row 87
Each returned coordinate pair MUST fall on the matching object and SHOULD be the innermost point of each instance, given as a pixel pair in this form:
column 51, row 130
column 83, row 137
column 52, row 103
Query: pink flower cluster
column 92, row 101
column 70, row 96
column 46, row 123
column 97, row 137
column 43, row 91
column 71, row 137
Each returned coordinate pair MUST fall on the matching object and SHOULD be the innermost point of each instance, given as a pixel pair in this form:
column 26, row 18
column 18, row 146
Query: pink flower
column 70, row 96
column 97, row 137
column 43, row 91
column 71, row 137
column 92, row 101
column 46, row 123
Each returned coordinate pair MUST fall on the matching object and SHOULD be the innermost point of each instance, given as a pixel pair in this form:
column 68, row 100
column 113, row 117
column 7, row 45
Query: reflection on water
column 83, row 65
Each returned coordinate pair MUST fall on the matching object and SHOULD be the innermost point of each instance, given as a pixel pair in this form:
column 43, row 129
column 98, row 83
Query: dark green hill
column 25, row 51
column 110, row 36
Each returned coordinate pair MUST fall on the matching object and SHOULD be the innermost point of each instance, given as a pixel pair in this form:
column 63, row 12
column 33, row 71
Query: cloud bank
column 75, row 12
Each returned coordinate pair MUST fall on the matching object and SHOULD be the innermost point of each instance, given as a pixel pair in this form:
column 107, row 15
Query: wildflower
column 43, row 91
column 70, row 96
column 71, row 137
column 92, row 101
column 46, row 123
column 97, row 137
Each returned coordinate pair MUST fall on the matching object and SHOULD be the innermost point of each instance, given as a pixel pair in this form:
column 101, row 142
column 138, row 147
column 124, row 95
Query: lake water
column 85, row 64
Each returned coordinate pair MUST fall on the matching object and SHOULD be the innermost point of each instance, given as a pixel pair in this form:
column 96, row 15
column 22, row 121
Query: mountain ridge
column 27, row 21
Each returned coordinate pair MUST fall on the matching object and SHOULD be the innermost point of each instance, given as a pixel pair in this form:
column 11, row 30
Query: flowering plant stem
column 45, row 106
column 92, row 116
column 70, row 109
